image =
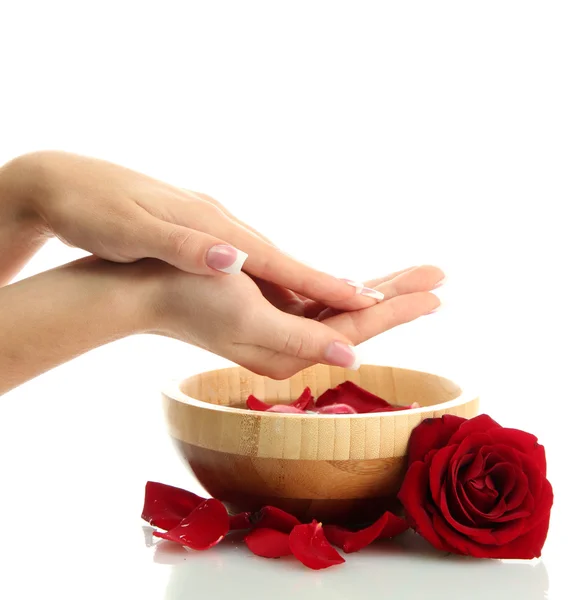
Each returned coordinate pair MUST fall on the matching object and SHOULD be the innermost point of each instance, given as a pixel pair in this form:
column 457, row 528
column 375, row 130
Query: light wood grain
column 316, row 466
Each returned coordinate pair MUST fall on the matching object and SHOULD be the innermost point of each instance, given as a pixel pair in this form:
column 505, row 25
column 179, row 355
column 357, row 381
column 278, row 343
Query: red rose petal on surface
column 432, row 434
column 285, row 408
column 310, row 546
column 305, row 401
column 268, row 543
column 166, row 506
column 387, row 526
column 254, row 404
column 203, row 528
column 353, row 395
column 274, row 518
column 337, row 409
column 240, row 521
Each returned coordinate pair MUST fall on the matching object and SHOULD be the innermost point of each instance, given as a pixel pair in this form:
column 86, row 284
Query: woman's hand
column 259, row 327
column 124, row 216
column 52, row 317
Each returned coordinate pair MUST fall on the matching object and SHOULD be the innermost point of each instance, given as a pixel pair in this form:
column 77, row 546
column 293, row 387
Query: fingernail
column 371, row 293
column 358, row 286
column 434, row 309
column 226, row 258
column 342, row 355
column 440, row 283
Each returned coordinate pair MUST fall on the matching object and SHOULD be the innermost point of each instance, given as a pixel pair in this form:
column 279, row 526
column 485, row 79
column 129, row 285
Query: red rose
column 474, row 487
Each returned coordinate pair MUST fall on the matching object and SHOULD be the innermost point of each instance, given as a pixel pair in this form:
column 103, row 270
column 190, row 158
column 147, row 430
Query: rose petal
column 387, row 526
column 524, row 547
column 337, row 409
column 476, row 466
column 432, row 434
column 203, row 528
column 438, row 470
column 271, row 517
column 268, row 543
column 454, row 487
column 465, row 540
column 479, row 424
column 305, row 401
column 414, row 494
column 285, row 408
column 166, row 506
column 353, row 395
column 254, row 404
column 310, row 546
column 240, row 521
column 525, row 442
column 330, row 396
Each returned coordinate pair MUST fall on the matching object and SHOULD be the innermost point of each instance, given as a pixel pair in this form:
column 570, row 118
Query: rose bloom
column 474, row 487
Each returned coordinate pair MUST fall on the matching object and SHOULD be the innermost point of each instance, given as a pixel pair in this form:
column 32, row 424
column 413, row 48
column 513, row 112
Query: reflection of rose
column 474, row 487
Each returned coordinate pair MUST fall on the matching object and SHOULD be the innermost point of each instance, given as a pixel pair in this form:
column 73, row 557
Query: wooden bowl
column 324, row 467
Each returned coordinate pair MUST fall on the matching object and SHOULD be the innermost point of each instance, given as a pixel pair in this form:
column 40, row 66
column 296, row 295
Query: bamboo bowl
column 324, row 467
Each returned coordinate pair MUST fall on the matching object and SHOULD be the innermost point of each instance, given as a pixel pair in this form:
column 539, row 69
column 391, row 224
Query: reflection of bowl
column 313, row 466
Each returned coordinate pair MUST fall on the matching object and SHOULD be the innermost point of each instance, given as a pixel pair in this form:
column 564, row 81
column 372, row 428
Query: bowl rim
column 172, row 391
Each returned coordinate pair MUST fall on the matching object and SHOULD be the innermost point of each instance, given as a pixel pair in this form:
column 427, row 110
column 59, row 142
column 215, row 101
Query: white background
column 362, row 137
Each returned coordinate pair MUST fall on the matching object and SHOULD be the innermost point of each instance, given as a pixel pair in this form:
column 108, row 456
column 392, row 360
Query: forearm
column 53, row 317
column 21, row 234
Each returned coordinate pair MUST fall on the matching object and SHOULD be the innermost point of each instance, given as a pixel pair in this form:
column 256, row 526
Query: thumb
column 190, row 250
column 305, row 339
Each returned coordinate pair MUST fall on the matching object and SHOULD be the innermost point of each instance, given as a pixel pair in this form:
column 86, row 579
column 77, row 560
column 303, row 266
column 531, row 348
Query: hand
column 54, row 316
column 124, row 216
column 261, row 329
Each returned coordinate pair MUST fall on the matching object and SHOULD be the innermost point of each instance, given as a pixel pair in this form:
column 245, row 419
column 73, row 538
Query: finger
column 418, row 279
column 362, row 325
column 406, row 281
column 189, row 250
column 282, row 298
column 374, row 282
column 355, row 326
column 302, row 339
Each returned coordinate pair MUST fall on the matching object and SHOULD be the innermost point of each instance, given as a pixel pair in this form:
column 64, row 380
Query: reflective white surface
column 76, row 448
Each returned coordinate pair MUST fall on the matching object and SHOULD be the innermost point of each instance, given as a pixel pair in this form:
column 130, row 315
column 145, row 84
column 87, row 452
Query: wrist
column 122, row 292
column 137, row 294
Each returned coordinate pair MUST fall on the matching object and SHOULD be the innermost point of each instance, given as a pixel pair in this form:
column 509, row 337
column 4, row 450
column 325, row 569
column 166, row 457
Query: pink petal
column 337, row 409
column 285, row 408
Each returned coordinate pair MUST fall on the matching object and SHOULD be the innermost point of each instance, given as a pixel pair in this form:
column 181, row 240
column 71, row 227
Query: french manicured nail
column 226, row 258
column 371, row 293
column 342, row 355
column 359, row 287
